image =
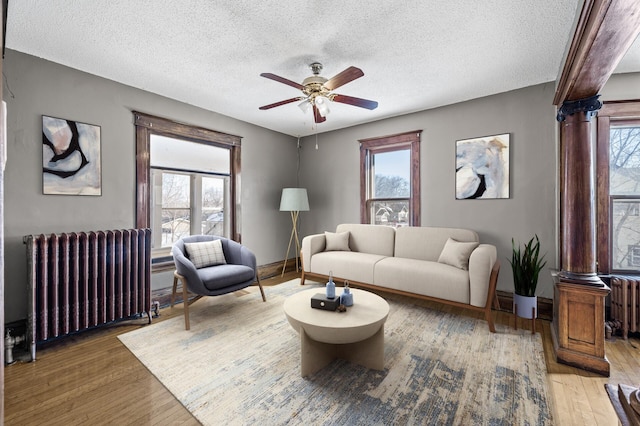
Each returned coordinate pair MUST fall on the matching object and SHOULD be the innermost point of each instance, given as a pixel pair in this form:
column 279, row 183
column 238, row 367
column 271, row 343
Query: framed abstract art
column 71, row 163
column 482, row 167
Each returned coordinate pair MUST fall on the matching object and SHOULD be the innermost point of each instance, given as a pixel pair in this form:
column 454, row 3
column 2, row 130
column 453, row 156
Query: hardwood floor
column 92, row 378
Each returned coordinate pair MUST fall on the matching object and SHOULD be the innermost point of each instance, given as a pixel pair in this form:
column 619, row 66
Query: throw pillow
column 337, row 241
column 456, row 253
column 207, row 253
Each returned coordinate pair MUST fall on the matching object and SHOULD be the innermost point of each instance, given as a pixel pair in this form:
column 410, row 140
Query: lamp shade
column 294, row 200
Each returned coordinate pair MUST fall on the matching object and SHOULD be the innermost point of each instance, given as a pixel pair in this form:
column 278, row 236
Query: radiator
column 625, row 301
column 82, row 280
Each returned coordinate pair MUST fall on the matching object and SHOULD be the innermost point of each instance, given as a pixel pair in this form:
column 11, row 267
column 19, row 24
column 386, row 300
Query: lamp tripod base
column 292, row 238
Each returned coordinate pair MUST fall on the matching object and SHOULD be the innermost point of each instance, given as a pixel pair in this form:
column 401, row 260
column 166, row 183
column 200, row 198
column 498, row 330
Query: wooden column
column 578, row 320
column 605, row 29
column 578, row 191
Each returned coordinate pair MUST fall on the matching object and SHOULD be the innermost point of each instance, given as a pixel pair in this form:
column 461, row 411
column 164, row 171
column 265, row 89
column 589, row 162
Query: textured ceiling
column 415, row 54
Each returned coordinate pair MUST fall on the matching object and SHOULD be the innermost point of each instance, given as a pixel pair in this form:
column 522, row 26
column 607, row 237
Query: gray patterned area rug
column 240, row 364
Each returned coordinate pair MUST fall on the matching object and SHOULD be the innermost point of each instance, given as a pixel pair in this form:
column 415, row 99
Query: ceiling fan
column 318, row 91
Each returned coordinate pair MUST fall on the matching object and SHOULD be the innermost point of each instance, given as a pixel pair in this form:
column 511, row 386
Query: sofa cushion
column 221, row 276
column 423, row 277
column 336, row 241
column 426, row 243
column 345, row 264
column 374, row 239
column 456, row 253
column 207, row 253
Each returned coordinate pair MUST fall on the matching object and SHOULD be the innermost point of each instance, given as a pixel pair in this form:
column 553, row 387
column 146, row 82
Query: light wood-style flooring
column 93, row 379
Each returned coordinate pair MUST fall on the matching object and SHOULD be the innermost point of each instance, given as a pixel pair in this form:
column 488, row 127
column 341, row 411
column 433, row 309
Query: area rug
column 240, row 364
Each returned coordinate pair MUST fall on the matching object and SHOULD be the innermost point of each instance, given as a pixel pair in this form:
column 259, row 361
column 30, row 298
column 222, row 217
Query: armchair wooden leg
column 185, row 302
column 264, row 299
column 185, row 296
column 176, row 277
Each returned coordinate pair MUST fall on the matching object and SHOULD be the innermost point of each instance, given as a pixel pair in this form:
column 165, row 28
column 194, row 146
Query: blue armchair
column 239, row 271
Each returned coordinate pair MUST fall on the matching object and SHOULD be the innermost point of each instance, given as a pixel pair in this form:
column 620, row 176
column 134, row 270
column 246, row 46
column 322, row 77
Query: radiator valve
column 9, row 343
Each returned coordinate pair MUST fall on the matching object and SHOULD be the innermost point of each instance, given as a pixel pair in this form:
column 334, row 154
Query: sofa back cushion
column 374, row 239
column 426, row 243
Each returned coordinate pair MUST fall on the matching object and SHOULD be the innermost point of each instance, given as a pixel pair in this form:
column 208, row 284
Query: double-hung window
column 390, row 180
column 618, row 164
column 187, row 181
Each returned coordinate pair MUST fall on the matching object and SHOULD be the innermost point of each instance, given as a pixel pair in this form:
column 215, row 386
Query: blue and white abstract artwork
column 482, row 167
column 70, row 157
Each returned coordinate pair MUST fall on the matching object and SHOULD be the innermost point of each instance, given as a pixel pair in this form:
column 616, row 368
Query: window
column 618, row 163
column 190, row 181
column 390, row 180
column 187, row 182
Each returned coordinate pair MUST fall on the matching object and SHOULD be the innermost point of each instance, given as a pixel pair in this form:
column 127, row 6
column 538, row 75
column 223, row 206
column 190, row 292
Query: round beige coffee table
column 356, row 335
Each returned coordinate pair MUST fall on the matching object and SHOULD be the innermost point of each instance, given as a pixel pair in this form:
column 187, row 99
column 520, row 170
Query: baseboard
column 272, row 269
column 545, row 306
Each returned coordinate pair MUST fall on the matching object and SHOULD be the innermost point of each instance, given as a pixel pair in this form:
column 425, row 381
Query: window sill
column 162, row 266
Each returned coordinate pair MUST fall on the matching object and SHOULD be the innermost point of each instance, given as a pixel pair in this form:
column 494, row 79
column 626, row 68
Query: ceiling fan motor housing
column 314, row 85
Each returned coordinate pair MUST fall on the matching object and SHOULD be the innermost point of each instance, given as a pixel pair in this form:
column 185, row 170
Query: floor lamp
column 293, row 200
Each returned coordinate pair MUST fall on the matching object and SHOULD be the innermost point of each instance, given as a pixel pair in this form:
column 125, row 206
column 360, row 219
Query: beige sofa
column 448, row 265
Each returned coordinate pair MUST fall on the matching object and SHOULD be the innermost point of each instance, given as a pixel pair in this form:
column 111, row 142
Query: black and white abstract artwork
column 482, row 167
column 71, row 162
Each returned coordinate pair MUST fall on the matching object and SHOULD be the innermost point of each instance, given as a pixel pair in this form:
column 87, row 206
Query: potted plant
column 526, row 266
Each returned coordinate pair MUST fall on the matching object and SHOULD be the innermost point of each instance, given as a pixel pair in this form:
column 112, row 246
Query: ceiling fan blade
column 343, row 78
column 316, row 115
column 359, row 102
column 277, row 104
column 282, row 80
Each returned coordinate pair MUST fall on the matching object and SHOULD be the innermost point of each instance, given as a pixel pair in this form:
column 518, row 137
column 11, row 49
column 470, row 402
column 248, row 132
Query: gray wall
column 622, row 87
column 35, row 87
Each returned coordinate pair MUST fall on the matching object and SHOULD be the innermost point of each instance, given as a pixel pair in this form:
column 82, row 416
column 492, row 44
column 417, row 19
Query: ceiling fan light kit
column 318, row 91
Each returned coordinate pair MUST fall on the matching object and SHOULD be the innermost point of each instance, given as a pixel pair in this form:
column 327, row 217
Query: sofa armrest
column 311, row 244
column 480, row 266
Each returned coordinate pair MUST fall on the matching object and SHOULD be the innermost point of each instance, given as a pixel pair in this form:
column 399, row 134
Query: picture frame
column 71, row 157
column 482, row 167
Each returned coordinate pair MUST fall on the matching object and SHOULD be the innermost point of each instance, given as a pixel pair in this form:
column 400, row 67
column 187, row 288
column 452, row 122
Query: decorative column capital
column 587, row 105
